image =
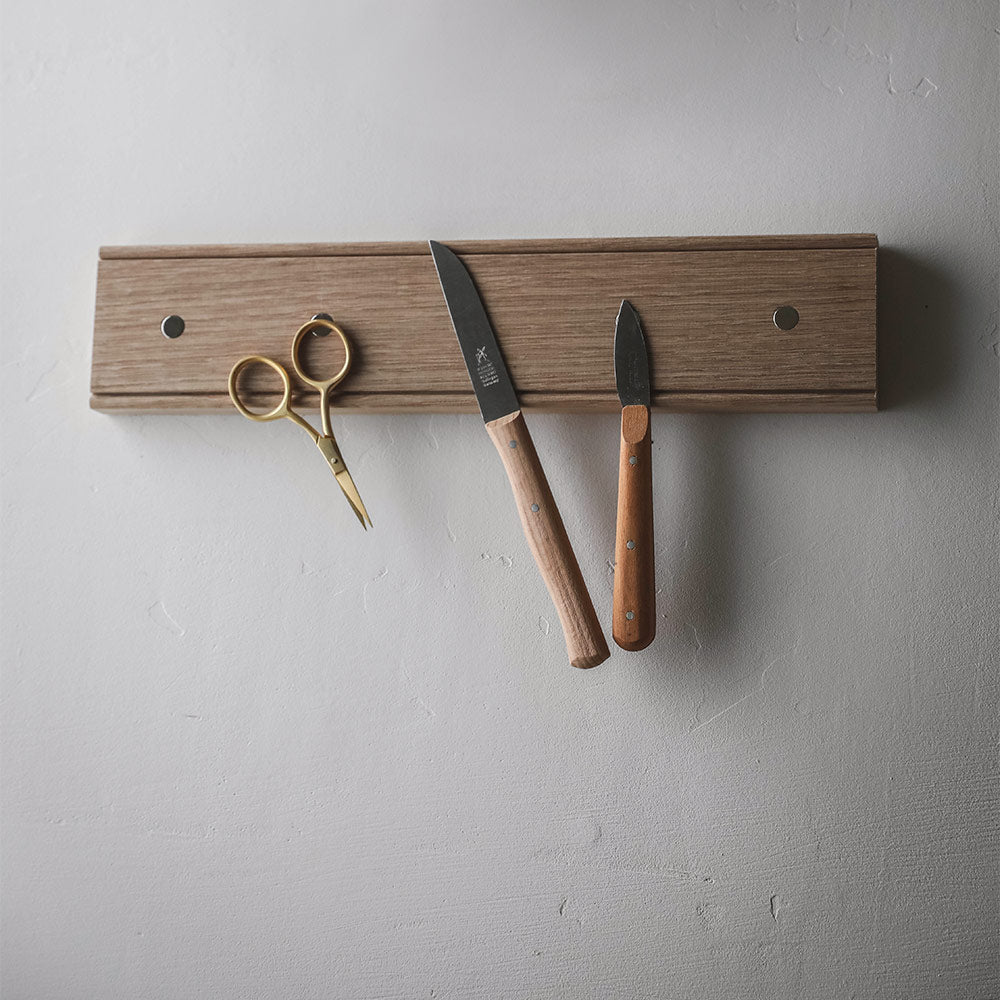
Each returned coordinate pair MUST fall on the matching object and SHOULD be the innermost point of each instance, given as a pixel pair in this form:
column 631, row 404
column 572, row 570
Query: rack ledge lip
column 617, row 244
column 807, row 401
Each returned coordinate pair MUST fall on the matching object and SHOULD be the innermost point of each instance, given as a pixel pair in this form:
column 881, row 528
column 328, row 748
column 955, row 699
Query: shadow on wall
column 708, row 593
column 915, row 353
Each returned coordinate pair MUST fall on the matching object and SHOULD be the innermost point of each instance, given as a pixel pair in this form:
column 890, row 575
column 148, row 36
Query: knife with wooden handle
column 633, row 620
column 543, row 527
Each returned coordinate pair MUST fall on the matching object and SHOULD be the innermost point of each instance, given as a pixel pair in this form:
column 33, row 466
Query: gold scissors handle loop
column 325, row 385
column 279, row 411
column 284, row 407
column 311, row 327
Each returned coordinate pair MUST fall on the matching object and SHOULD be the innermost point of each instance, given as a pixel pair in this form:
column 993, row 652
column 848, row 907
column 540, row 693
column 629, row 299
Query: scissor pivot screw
column 172, row 326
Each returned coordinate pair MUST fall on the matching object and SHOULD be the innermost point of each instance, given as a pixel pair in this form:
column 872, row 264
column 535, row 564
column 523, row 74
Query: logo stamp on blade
column 634, row 374
column 485, row 370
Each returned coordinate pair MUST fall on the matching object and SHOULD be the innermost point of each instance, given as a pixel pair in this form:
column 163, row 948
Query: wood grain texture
column 707, row 309
column 633, row 620
column 548, row 541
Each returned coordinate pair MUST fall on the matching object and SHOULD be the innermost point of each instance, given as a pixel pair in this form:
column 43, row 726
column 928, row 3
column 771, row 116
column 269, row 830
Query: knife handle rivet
column 513, row 444
column 630, row 615
column 630, row 544
column 632, row 460
column 534, row 508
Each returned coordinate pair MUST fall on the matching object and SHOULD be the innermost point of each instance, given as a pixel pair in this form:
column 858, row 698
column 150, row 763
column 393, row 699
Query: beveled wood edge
column 639, row 244
column 860, row 401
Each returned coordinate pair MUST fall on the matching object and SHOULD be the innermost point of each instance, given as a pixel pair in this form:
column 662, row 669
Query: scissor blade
column 490, row 378
column 328, row 446
column 631, row 360
column 354, row 498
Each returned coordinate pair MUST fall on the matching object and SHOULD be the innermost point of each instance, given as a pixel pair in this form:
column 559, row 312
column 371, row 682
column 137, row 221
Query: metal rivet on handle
column 534, row 508
column 630, row 615
column 513, row 444
column 630, row 544
column 786, row 317
column 632, row 460
column 172, row 326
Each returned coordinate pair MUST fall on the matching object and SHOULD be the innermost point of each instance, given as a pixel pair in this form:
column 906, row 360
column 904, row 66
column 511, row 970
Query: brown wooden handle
column 633, row 620
column 543, row 527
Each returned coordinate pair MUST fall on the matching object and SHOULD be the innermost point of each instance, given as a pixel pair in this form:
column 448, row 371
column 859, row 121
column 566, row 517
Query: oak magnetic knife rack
column 748, row 323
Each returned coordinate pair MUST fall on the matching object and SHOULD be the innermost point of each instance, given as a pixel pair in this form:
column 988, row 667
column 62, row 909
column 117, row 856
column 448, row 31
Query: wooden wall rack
column 707, row 306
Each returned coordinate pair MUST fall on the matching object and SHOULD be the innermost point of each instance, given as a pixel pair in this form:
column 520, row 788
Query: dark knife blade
column 631, row 360
column 540, row 519
column 490, row 379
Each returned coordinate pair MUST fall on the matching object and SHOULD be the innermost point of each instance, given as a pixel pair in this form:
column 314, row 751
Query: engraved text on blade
column 485, row 370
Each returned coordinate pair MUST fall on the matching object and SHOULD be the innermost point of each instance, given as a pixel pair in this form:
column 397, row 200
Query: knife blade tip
column 626, row 312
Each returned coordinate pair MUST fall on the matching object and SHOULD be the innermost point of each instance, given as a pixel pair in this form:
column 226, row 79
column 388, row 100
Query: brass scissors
column 326, row 442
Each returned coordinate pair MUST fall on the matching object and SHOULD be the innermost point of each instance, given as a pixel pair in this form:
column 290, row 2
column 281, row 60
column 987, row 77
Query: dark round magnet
column 786, row 317
column 172, row 326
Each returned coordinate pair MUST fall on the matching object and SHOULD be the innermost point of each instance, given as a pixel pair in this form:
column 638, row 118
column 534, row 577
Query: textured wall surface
column 250, row 751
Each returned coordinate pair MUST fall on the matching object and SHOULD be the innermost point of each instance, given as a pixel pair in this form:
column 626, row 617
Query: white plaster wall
column 250, row 751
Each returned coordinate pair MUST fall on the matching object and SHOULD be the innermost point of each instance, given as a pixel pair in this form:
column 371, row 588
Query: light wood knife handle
column 633, row 619
column 543, row 528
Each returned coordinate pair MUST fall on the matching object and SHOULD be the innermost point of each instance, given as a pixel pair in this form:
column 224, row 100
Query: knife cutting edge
column 633, row 619
column 543, row 527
